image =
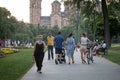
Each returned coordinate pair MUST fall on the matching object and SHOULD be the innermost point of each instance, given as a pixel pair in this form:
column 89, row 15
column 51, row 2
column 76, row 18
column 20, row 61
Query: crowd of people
column 15, row 43
column 69, row 44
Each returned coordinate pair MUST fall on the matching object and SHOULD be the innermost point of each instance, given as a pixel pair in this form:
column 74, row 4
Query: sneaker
column 73, row 62
column 39, row 71
column 69, row 63
column 83, row 61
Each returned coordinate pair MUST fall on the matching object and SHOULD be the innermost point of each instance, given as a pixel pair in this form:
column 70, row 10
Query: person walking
column 70, row 48
column 58, row 47
column 50, row 44
column 83, row 48
column 38, row 53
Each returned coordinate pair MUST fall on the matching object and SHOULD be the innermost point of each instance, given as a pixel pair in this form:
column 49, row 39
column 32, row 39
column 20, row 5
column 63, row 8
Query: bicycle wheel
column 88, row 57
column 91, row 55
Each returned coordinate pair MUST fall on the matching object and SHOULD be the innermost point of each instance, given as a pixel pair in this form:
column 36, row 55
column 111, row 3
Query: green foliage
column 114, row 9
column 114, row 27
column 4, row 22
column 67, row 30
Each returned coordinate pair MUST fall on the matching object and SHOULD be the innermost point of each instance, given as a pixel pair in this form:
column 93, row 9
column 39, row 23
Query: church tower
column 56, row 14
column 35, row 11
column 67, row 8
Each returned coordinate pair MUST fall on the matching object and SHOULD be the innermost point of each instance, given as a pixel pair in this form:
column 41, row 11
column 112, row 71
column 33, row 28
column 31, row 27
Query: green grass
column 14, row 66
column 114, row 55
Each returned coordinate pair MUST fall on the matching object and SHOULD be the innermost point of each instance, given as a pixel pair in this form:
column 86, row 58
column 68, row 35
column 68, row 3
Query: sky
column 20, row 8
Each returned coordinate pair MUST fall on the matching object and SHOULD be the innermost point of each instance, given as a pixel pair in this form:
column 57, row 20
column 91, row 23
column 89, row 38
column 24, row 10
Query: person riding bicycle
column 83, row 42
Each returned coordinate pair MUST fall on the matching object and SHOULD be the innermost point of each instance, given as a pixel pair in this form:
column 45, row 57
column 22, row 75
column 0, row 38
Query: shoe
column 52, row 58
column 83, row 61
column 39, row 71
column 73, row 62
column 69, row 63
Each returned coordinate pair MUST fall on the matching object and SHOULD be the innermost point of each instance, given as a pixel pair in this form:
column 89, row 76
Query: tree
column 114, row 27
column 78, row 3
column 106, row 23
column 4, row 22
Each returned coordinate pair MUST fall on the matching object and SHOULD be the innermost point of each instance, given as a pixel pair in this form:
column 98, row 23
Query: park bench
column 103, row 50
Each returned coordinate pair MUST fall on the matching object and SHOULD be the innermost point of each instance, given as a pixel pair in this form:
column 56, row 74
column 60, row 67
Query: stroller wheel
column 64, row 60
column 60, row 62
column 56, row 62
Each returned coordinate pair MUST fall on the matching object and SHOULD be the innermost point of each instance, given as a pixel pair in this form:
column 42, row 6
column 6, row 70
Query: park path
column 101, row 69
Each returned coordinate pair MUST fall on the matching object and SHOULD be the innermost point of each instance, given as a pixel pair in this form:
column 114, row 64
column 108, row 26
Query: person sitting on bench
column 104, row 47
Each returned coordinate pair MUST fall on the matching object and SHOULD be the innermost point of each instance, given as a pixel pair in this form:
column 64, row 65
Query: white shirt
column 84, row 40
column 104, row 45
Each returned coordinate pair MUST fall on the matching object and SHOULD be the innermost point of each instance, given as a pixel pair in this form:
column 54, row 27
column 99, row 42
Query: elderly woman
column 39, row 52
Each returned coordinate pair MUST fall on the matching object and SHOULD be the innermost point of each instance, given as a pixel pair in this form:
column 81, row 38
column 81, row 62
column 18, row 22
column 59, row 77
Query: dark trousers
column 50, row 52
column 39, row 61
column 103, row 50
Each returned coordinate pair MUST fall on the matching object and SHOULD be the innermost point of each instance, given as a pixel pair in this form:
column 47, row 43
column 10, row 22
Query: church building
column 56, row 18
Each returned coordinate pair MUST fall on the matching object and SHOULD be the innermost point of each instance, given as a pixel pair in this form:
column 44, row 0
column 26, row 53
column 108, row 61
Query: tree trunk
column 106, row 23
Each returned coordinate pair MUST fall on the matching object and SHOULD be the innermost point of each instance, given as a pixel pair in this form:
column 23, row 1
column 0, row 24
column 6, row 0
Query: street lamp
column 38, row 28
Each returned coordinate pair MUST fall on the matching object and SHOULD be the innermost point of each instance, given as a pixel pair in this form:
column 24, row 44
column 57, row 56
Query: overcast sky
column 20, row 8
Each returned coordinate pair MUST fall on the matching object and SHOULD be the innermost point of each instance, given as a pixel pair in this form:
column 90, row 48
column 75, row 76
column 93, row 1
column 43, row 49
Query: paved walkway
column 101, row 69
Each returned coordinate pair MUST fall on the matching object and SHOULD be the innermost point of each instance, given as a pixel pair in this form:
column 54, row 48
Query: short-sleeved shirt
column 58, row 41
column 104, row 45
column 50, row 41
column 84, row 40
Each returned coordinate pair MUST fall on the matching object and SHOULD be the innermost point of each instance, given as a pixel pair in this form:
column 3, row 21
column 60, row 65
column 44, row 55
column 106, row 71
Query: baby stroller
column 62, row 59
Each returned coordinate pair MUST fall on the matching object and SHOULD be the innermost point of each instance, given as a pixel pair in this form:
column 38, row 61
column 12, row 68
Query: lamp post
column 38, row 28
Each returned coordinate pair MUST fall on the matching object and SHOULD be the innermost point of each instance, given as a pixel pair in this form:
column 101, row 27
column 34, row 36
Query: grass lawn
column 14, row 66
column 114, row 55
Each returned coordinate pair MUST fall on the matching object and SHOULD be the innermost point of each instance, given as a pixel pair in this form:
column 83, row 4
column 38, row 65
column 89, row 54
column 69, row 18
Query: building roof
column 47, row 17
column 56, row 2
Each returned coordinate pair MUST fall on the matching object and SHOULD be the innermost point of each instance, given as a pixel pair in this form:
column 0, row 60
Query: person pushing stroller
column 58, row 47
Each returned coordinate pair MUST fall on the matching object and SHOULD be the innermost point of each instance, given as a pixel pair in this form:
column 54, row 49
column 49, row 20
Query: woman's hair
column 84, row 34
column 70, row 35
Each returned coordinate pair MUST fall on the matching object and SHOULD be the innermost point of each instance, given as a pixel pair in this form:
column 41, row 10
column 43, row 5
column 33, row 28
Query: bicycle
column 89, row 54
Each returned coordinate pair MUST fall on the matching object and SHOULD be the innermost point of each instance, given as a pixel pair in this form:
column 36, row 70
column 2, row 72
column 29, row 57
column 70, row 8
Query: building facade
column 56, row 18
column 35, row 11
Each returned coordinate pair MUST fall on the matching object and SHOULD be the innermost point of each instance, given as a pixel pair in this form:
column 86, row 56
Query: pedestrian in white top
column 104, row 47
column 83, row 41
